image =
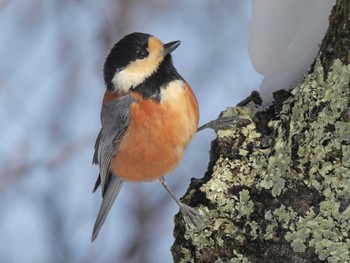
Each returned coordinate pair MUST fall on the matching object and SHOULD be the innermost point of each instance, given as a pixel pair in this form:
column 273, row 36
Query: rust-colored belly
column 156, row 137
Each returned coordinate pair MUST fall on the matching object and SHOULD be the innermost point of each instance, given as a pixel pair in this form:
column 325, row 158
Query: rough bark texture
column 277, row 187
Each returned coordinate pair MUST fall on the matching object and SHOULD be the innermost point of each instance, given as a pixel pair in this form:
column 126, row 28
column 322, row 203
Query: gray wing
column 115, row 119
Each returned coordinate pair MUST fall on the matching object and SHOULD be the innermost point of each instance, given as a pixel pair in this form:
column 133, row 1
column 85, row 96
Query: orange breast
column 158, row 134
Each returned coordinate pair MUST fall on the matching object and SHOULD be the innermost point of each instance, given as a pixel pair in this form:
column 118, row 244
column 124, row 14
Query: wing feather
column 115, row 119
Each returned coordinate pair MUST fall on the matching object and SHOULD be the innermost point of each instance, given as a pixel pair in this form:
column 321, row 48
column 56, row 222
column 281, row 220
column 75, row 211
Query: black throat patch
column 165, row 73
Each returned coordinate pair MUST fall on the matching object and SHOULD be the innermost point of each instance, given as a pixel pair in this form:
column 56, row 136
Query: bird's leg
column 186, row 210
column 220, row 123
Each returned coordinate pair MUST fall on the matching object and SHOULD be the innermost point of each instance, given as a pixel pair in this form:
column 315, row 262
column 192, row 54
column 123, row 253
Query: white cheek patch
column 135, row 73
column 124, row 81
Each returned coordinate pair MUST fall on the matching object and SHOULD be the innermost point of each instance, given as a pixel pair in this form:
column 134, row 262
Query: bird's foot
column 220, row 123
column 193, row 216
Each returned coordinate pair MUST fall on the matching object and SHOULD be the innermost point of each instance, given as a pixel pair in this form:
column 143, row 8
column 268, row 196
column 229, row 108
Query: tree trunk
column 277, row 187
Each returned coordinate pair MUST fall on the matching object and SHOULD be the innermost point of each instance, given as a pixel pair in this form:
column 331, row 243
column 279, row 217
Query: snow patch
column 284, row 40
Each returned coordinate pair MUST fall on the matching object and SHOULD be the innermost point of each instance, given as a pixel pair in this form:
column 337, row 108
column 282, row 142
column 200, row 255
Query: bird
column 149, row 115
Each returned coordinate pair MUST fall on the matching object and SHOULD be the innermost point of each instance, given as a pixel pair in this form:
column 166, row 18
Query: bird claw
column 193, row 216
column 220, row 123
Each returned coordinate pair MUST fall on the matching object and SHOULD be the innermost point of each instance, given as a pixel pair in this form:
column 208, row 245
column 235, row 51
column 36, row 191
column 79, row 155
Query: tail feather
column 114, row 185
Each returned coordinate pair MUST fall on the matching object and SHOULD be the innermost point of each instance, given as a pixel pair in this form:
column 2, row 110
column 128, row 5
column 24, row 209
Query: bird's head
column 133, row 59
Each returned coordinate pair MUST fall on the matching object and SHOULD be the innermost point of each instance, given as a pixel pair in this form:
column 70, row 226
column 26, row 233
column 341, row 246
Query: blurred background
column 51, row 86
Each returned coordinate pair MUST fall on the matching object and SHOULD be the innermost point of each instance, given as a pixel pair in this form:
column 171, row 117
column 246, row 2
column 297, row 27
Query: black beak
column 170, row 47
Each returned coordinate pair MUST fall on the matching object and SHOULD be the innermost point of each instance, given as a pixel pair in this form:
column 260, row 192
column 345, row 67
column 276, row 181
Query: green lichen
column 323, row 153
column 271, row 225
column 284, row 215
column 297, row 239
column 309, row 143
column 325, row 150
column 245, row 206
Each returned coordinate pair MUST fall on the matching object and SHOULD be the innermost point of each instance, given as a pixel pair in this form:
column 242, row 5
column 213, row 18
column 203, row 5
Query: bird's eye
column 140, row 54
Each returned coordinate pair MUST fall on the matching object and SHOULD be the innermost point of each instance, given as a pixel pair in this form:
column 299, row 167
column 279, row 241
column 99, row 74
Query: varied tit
column 149, row 115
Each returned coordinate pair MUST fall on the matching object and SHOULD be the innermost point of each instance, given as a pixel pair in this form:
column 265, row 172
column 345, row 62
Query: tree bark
column 277, row 187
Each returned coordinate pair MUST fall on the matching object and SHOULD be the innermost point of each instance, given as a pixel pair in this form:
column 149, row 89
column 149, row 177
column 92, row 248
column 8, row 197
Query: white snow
column 284, row 40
